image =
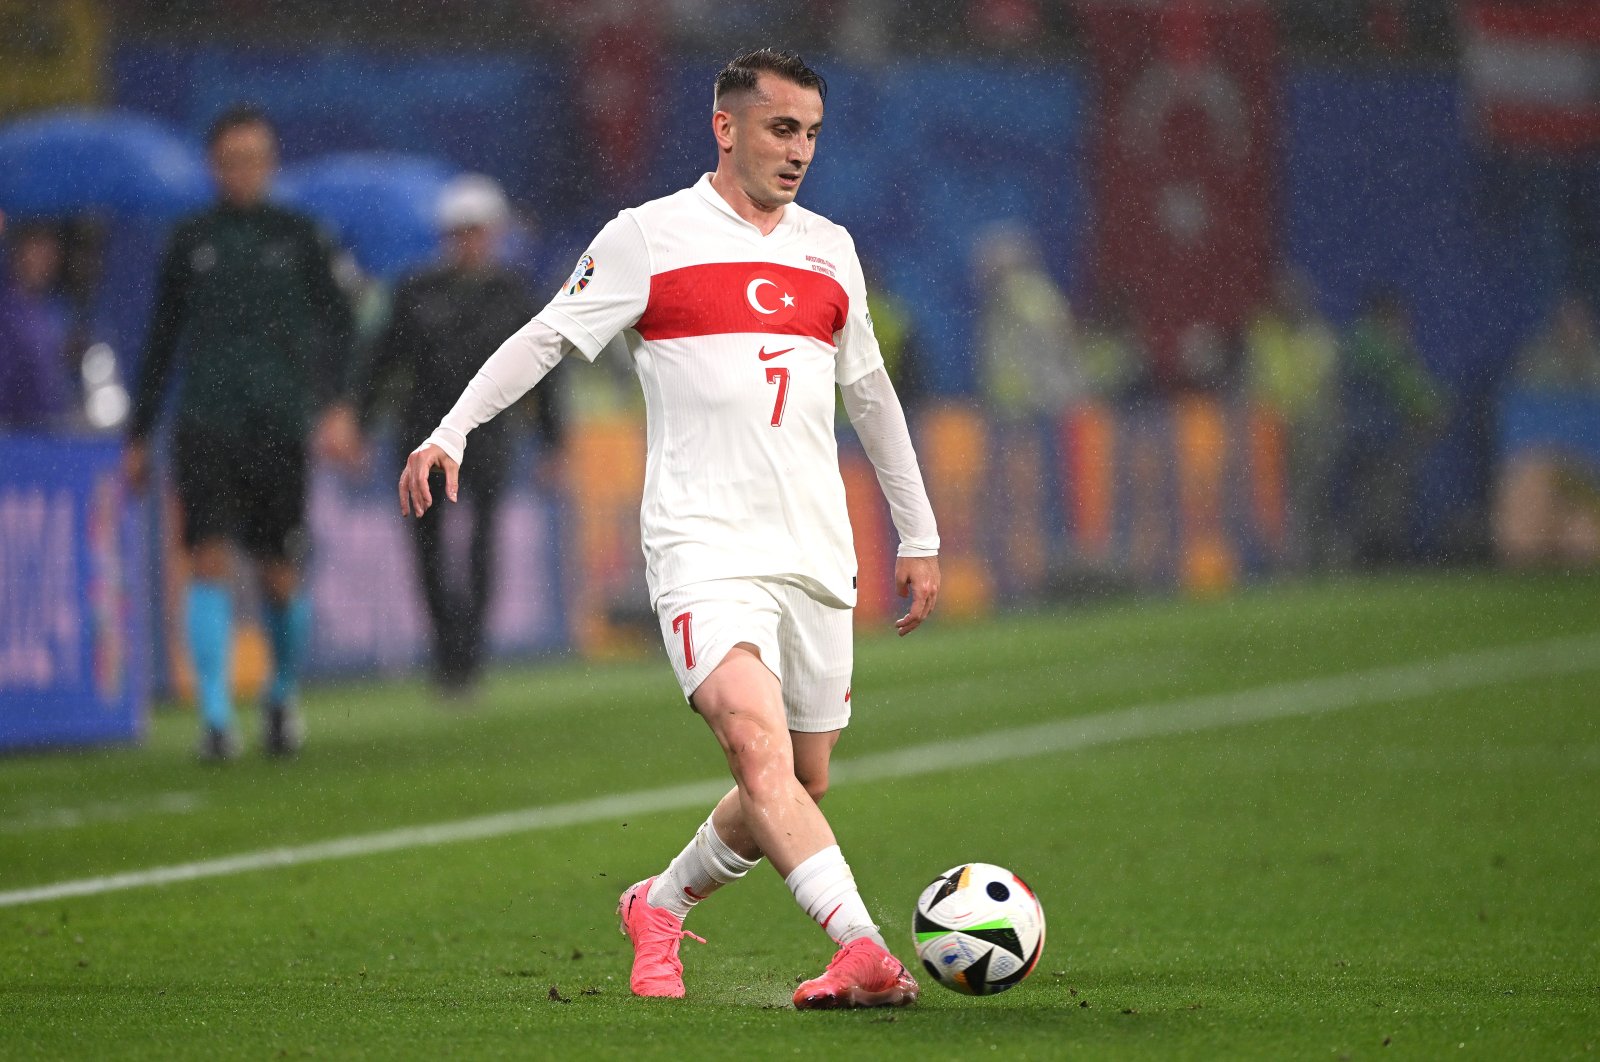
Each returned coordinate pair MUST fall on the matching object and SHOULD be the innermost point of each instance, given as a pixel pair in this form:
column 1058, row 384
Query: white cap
column 472, row 199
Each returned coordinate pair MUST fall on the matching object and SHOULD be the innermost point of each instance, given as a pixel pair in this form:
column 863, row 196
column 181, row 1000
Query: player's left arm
column 880, row 423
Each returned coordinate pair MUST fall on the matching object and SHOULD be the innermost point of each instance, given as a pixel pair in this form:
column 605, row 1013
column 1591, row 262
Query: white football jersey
column 738, row 340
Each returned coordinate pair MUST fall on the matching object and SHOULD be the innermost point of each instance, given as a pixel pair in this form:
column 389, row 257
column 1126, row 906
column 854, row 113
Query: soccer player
column 247, row 298
column 740, row 312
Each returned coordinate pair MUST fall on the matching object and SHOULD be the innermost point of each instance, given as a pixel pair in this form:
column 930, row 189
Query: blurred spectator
column 1026, row 330
column 443, row 322
column 1564, row 358
column 1291, row 357
column 37, row 388
column 1210, row 359
column 1547, row 495
column 1111, row 351
column 1390, row 408
column 249, row 305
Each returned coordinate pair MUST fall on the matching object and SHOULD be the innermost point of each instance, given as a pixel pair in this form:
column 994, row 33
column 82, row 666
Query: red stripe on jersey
column 724, row 297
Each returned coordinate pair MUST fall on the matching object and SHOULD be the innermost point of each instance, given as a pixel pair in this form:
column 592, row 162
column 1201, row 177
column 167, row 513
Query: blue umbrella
column 68, row 162
column 380, row 205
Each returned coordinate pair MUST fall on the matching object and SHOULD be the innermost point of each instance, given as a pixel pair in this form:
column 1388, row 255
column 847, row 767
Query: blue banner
column 74, row 620
column 1567, row 424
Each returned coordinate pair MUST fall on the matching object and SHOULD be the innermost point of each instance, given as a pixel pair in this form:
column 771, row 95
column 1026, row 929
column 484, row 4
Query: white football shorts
column 808, row 645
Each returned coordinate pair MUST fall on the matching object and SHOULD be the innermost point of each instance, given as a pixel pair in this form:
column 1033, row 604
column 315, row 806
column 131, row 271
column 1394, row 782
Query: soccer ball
column 979, row 929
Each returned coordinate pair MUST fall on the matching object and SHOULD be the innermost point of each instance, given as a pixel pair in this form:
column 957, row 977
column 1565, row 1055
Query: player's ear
column 722, row 129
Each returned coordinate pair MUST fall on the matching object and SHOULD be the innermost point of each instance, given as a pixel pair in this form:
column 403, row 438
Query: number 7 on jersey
column 779, row 375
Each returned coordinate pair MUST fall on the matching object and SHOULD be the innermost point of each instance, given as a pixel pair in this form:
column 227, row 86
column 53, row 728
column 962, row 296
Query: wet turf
column 1411, row 877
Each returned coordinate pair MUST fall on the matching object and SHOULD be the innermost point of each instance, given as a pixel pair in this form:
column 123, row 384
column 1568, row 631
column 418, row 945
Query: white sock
column 705, row 865
column 826, row 890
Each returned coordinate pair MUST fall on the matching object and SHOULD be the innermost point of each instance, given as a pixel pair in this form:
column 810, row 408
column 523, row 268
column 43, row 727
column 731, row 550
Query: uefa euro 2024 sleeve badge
column 581, row 275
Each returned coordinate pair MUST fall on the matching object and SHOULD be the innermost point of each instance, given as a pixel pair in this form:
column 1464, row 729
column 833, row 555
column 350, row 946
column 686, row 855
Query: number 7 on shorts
column 682, row 622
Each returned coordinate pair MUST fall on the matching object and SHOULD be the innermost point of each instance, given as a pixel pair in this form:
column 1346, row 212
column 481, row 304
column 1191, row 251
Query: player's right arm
column 511, row 371
column 155, row 369
column 605, row 294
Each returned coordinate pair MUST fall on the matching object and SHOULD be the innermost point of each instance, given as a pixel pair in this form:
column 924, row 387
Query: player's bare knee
column 759, row 757
column 756, row 750
column 814, row 783
column 765, row 782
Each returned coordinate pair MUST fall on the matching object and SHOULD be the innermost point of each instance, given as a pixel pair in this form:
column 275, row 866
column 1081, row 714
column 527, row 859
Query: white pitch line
column 1448, row 674
column 1283, row 700
column 105, row 811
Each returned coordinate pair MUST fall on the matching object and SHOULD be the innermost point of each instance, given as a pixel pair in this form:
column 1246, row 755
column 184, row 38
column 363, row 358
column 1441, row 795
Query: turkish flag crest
column 769, row 296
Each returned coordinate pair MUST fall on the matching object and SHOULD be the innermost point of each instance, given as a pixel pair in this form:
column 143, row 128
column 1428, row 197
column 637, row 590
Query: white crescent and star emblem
column 753, row 297
column 770, row 294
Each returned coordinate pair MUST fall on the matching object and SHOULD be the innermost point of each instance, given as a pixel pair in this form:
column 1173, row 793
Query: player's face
column 773, row 138
column 243, row 161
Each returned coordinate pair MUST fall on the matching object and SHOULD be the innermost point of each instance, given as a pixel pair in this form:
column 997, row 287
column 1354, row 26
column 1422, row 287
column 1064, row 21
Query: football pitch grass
column 1357, row 819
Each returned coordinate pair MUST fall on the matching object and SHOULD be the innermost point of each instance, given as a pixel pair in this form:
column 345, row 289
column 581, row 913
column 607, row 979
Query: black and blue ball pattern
column 979, row 929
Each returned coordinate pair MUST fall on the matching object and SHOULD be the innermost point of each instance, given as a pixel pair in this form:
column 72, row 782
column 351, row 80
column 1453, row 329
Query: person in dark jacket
column 249, row 307
column 442, row 319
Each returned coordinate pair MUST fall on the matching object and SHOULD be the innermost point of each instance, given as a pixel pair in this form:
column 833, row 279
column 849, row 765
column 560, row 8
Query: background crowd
column 1194, row 258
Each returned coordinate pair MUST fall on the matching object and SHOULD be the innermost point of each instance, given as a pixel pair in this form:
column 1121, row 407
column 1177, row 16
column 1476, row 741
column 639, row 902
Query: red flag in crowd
column 1534, row 72
column 1185, row 154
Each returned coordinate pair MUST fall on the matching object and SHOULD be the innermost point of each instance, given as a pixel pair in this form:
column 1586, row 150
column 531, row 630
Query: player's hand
column 136, row 464
column 415, row 497
column 919, row 577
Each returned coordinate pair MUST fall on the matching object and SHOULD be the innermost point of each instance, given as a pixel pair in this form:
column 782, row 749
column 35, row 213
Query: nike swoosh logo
column 765, row 355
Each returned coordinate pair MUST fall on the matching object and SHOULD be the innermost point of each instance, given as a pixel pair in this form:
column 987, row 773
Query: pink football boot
column 862, row 974
column 656, row 934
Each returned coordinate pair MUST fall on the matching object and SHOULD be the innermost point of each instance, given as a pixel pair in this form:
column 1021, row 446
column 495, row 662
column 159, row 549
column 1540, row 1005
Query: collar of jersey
column 709, row 194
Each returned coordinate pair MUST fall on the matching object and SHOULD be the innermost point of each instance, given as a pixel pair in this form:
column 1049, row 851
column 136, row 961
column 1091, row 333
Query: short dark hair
column 743, row 71
column 237, row 116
